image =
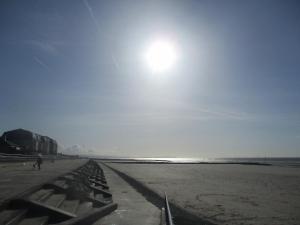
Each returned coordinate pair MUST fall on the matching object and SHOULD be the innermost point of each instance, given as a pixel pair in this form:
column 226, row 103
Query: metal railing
column 168, row 215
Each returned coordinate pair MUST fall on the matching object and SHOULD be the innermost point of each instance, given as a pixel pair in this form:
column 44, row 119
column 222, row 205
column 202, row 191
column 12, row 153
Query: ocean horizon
column 278, row 161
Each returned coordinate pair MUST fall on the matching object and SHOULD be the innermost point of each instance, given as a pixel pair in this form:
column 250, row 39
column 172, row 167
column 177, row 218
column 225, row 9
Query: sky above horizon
column 74, row 71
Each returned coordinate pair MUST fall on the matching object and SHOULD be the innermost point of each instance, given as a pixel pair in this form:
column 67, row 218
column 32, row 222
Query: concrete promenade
column 133, row 208
column 16, row 178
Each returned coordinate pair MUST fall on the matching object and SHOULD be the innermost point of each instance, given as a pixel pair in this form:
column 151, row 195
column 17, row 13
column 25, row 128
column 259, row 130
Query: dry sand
column 226, row 194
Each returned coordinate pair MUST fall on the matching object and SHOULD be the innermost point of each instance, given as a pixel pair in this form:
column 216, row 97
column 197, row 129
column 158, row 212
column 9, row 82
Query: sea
column 273, row 161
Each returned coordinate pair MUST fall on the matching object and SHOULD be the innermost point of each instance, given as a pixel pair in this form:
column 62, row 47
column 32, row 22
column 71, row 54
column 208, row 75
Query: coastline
column 273, row 161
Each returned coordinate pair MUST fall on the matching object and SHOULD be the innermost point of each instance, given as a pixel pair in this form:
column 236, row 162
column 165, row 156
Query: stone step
column 55, row 200
column 70, row 206
column 100, row 197
column 41, row 194
column 35, row 221
column 60, row 183
column 9, row 217
column 84, row 207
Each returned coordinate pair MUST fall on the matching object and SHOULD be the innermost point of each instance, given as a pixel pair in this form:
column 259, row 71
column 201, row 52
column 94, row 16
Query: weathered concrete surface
column 16, row 178
column 133, row 208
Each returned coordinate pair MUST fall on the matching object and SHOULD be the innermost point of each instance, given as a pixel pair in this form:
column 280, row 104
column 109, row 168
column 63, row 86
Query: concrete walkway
column 133, row 208
column 16, row 178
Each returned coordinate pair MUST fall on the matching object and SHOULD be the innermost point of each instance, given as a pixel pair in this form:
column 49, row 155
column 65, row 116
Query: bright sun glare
column 160, row 55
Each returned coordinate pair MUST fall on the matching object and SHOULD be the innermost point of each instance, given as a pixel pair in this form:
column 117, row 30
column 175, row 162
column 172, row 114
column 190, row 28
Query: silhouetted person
column 38, row 162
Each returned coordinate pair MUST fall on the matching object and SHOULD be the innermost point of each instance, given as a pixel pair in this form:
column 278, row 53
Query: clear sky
column 74, row 70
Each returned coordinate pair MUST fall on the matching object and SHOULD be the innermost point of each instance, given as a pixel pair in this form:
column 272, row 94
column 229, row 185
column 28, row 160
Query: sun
column 160, row 55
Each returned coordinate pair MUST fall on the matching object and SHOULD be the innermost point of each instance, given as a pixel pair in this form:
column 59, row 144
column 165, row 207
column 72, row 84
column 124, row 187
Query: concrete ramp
column 133, row 208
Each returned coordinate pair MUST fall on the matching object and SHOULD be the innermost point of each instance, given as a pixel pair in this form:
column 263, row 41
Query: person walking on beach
column 38, row 162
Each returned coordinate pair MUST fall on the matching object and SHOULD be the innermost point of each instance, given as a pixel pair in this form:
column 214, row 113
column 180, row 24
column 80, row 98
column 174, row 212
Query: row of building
column 22, row 141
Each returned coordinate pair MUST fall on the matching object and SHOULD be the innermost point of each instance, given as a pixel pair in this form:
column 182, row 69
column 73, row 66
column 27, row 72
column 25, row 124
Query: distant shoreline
column 272, row 161
column 159, row 162
column 291, row 162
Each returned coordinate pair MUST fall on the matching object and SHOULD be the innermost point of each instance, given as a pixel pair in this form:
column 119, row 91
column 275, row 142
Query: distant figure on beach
column 38, row 162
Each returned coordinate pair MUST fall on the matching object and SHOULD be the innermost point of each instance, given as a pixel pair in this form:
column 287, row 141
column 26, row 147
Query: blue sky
column 74, row 70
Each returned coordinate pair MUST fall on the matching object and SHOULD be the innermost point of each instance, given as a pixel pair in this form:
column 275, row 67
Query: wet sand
column 226, row 194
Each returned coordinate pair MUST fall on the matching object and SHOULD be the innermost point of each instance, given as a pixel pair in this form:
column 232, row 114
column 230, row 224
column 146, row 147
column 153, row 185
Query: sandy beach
column 226, row 194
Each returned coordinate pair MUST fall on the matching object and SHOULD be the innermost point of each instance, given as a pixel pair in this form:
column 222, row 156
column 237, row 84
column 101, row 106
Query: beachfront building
column 9, row 147
column 31, row 143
